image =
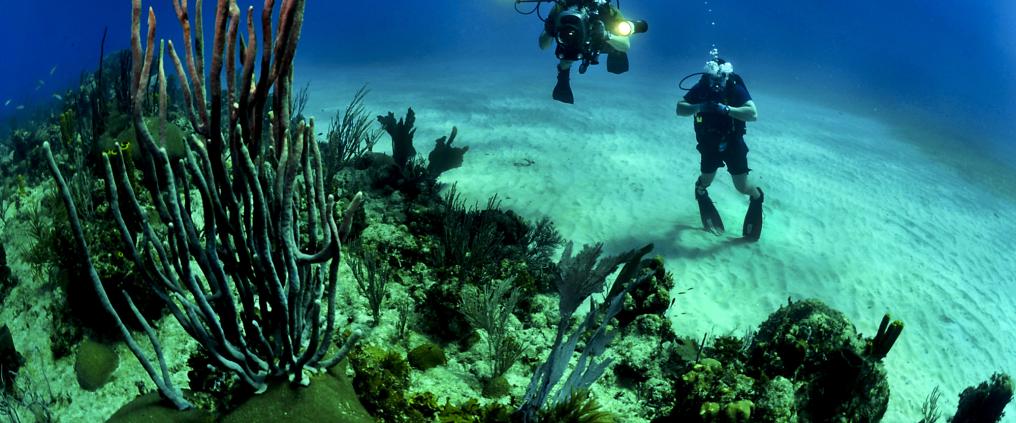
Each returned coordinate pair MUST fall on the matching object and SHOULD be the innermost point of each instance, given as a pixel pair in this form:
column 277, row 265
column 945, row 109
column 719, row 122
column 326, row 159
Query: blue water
column 947, row 62
column 943, row 66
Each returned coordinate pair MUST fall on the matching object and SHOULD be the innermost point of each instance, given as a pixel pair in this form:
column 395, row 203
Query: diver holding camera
column 584, row 29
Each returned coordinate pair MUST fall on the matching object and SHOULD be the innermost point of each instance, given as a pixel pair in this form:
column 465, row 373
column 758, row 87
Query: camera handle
column 591, row 56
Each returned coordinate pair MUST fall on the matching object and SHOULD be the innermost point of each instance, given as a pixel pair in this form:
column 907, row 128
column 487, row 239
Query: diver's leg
column 704, row 181
column 562, row 91
column 745, row 186
column 736, row 157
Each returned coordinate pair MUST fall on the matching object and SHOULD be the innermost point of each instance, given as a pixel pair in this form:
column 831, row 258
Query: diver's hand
column 545, row 40
column 714, row 107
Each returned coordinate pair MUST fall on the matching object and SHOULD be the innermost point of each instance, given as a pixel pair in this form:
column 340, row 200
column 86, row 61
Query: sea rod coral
column 245, row 249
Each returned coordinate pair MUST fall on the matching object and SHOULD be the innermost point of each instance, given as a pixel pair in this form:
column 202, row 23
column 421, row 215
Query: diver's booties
column 562, row 91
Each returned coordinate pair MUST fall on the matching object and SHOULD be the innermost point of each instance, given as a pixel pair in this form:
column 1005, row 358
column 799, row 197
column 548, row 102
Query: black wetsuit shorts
column 734, row 155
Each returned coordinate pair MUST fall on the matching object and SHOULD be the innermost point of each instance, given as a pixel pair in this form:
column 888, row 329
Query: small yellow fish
column 53, row 70
column 20, row 107
column 58, row 97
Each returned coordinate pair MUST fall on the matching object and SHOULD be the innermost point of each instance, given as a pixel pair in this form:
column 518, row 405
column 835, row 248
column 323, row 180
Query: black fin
column 562, row 91
column 711, row 220
column 617, row 62
column 752, row 230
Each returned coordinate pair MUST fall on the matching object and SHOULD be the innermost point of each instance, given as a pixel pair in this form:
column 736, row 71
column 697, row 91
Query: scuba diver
column 583, row 29
column 721, row 104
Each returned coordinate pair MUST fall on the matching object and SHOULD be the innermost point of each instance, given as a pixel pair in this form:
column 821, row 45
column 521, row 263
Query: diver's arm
column 545, row 40
column 746, row 113
column 685, row 108
column 548, row 34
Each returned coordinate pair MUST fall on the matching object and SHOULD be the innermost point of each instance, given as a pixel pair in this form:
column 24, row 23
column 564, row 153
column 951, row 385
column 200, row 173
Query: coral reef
column 246, row 239
column 805, row 363
column 810, row 343
column 203, row 198
column 986, row 402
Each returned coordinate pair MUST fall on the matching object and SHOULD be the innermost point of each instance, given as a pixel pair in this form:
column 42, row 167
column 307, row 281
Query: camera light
column 625, row 28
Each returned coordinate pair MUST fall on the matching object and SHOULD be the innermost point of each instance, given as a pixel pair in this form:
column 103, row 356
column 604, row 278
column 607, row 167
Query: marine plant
column 239, row 280
column 68, row 128
column 401, row 131
column 580, row 407
column 372, row 276
column 578, row 277
column 541, row 240
column 351, row 135
column 26, row 398
column 44, row 232
column 414, row 170
column 298, row 104
column 490, row 310
column 121, row 80
column 929, row 410
column 404, row 316
column 471, row 244
column 444, row 157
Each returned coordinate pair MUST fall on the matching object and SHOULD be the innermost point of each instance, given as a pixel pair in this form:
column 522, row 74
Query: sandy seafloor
column 858, row 214
column 864, row 216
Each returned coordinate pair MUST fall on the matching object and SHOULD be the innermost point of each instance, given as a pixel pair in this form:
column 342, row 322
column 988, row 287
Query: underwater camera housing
column 581, row 31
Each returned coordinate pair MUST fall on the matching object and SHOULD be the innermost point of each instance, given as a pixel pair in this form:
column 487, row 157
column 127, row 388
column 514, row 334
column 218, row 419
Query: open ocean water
column 876, row 90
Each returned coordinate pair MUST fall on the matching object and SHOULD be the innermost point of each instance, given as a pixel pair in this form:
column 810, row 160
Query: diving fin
column 617, row 62
column 752, row 230
column 711, row 220
column 562, row 91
